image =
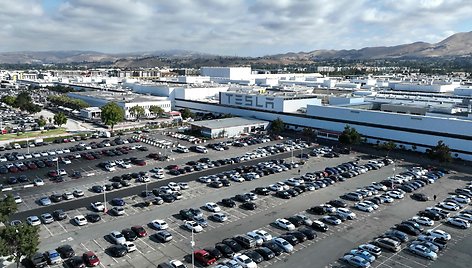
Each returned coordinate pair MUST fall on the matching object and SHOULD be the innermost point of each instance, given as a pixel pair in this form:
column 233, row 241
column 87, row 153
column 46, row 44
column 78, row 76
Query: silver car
column 422, row 251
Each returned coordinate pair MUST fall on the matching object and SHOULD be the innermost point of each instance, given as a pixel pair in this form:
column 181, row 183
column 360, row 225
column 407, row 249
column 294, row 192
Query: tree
column 277, row 126
column 31, row 108
column 60, row 119
column 22, row 99
column 440, row 152
column 8, row 100
column 389, row 145
column 137, row 111
column 350, row 136
column 156, row 110
column 41, row 121
column 19, row 241
column 186, row 113
column 308, row 133
column 50, row 120
column 112, row 114
column 7, row 208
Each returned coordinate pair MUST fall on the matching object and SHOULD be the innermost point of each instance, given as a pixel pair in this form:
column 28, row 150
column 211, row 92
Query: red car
column 204, row 257
column 52, row 173
column 91, row 259
column 139, row 230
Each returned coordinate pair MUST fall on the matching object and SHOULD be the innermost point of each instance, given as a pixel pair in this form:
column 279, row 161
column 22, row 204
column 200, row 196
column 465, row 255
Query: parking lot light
column 192, row 244
column 105, row 199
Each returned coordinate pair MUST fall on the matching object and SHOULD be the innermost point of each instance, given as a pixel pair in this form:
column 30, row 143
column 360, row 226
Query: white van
column 201, row 149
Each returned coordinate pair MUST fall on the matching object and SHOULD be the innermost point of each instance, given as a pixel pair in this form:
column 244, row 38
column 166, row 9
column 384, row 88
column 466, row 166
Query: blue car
column 118, row 202
column 363, row 254
column 44, row 201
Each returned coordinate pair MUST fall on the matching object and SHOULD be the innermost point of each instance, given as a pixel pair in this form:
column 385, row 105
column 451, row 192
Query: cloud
column 238, row 27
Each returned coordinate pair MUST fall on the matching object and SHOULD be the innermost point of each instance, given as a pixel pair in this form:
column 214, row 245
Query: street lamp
column 192, row 243
column 104, row 199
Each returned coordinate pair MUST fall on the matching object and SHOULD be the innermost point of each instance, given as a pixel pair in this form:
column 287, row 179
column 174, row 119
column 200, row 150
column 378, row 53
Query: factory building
column 228, row 127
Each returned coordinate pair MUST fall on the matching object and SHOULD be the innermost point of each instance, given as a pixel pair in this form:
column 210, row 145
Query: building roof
column 126, row 97
column 228, row 122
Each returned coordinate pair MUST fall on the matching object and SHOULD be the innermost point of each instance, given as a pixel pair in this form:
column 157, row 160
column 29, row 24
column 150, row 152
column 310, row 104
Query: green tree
column 22, row 100
column 277, row 126
column 31, row 108
column 19, row 241
column 156, row 110
column 186, row 113
column 41, row 121
column 440, row 152
column 7, row 208
column 112, row 114
column 50, row 120
column 350, row 136
column 8, row 100
column 389, row 146
column 137, row 111
column 308, row 133
column 60, row 119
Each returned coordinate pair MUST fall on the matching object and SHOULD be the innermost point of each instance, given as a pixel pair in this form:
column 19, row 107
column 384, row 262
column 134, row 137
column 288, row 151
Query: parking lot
column 326, row 248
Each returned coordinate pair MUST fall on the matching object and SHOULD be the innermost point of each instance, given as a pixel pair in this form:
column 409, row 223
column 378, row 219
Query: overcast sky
column 226, row 27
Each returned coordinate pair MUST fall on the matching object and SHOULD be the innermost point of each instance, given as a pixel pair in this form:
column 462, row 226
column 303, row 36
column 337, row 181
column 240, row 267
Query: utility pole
column 192, row 243
column 104, row 199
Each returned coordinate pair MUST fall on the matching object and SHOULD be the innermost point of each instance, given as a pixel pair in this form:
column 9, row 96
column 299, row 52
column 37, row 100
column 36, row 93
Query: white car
column 33, row 220
column 259, row 240
column 275, row 187
column 379, row 186
column 284, row 224
column 465, row 216
column 66, row 150
column 283, row 244
column 265, row 235
column 158, row 175
column 38, row 182
column 283, row 185
column 80, row 220
column 177, row 264
column 460, row 198
column 66, row 161
column 130, row 246
column 244, row 261
column 213, row 207
column 173, row 186
column 43, row 154
column 18, row 199
column 372, row 204
column 364, row 207
column 68, row 196
column 219, row 217
column 117, row 238
column 328, row 208
column 125, row 165
column 98, row 206
column 423, row 221
column 458, row 222
column 157, row 170
column 438, row 233
column 346, row 213
column 193, row 225
column 159, row 224
column 110, row 168
column 386, row 198
column 36, row 155
column 449, row 206
column 62, row 172
column 395, row 194
column 78, row 193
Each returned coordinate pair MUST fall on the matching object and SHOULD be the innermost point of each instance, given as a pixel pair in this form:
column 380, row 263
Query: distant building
column 228, row 127
column 91, row 113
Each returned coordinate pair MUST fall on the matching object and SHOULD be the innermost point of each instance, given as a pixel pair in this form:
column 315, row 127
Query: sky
column 226, row 27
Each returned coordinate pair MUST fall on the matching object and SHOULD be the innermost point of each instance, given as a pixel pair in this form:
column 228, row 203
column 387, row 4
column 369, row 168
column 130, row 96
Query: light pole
column 57, row 165
column 104, row 199
column 192, row 243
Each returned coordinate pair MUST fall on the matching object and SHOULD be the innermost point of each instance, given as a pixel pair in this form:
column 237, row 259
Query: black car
column 97, row 189
column 254, row 255
column 66, row 251
column 56, row 198
column 265, row 252
column 290, row 238
column 292, row 192
column 186, row 214
column 249, row 205
column 225, row 250
column 295, row 221
column 108, row 187
column 242, row 198
column 129, row 234
column 420, row 197
column 283, row 194
column 407, row 229
column 116, row 185
column 309, row 233
column 235, row 246
column 168, row 198
column 215, row 253
column 225, row 182
column 319, row 226
column 37, row 260
column 299, row 235
column 273, row 247
column 227, row 202
column 117, row 250
column 75, row 262
column 337, row 203
column 262, row 191
column 429, row 214
column 319, row 210
column 93, row 217
column 125, row 183
column 59, row 215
